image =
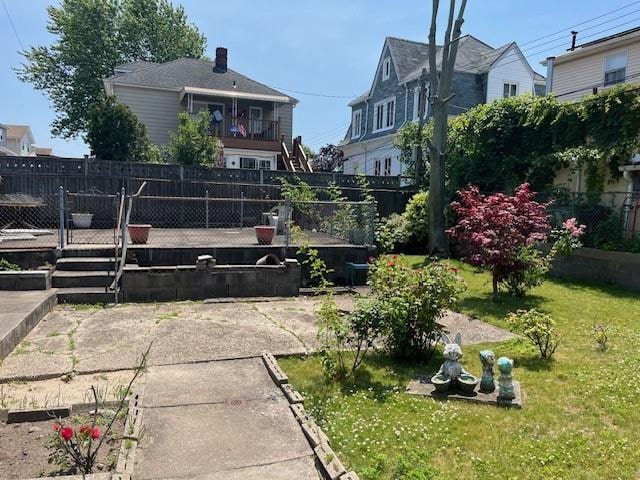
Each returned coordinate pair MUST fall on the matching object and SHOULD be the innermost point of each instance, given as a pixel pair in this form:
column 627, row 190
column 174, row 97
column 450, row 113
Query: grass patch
column 580, row 414
column 166, row 316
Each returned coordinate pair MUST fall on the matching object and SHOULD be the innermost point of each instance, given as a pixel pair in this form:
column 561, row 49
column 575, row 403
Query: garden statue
column 505, row 379
column 452, row 374
column 487, row 358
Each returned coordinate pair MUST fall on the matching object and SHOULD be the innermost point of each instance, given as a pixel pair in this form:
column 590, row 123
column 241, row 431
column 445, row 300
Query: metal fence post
column 287, row 221
column 61, row 217
column 241, row 209
column 372, row 224
column 206, row 208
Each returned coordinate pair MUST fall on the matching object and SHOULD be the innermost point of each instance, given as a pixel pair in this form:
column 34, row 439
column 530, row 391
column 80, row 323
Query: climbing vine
column 499, row 145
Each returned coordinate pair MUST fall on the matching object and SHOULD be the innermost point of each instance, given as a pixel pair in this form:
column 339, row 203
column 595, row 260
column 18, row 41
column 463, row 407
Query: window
column 387, row 166
column 386, row 69
column 416, row 103
column 265, row 164
column 255, row 163
column 247, row 162
column 379, row 116
column 615, row 68
column 385, row 112
column 509, row 90
column 356, row 124
column 377, row 167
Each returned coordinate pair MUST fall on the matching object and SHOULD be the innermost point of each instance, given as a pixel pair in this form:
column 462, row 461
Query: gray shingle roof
column 132, row 66
column 193, row 72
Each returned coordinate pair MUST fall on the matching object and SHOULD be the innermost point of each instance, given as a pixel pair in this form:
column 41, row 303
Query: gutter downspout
column 549, row 84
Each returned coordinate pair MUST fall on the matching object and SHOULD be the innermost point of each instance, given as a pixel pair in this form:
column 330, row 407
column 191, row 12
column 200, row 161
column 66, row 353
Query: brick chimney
column 221, row 59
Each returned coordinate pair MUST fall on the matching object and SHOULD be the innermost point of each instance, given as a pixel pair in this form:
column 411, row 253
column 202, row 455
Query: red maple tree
column 493, row 230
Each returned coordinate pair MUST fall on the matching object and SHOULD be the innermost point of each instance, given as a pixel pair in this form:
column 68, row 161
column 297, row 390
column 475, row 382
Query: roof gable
column 19, row 131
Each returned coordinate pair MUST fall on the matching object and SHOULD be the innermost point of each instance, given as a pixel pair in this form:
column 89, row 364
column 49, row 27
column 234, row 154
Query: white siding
column 585, row 72
column 363, row 159
column 511, row 68
column 157, row 109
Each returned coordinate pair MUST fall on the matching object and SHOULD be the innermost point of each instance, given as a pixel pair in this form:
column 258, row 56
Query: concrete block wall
column 144, row 284
column 25, row 280
column 588, row 264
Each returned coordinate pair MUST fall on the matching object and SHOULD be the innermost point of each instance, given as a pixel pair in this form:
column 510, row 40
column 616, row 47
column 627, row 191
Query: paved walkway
column 19, row 313
column 219, row 420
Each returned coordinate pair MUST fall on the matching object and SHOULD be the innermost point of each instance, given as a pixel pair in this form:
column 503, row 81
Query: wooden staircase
column 296, row 160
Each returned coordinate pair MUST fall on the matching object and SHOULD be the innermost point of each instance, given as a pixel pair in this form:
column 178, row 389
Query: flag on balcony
column 242, row 130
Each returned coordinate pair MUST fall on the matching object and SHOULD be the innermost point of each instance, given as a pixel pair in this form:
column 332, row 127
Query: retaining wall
column 146, row 284
column 589, row 264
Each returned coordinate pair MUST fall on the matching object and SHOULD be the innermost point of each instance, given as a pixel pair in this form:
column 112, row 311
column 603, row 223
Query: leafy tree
column 115, row 133
column 92, row 38
column 499, row 232
column 328, row 159
column 192, row 144
column 308, row 151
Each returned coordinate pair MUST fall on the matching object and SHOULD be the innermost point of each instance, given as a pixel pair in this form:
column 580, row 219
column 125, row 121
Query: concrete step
column 70, row 279
column 86, row 264
column 88, row 295
column 71, row 251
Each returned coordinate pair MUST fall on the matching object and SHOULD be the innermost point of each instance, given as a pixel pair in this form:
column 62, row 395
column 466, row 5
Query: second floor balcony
column 247, row 132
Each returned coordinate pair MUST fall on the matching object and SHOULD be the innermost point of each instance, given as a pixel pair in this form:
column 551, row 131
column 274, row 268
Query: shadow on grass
column 380, row 373
column 480, row 306
column 533, row 363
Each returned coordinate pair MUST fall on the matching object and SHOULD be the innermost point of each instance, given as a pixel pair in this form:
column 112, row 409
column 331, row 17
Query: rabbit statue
column 451, row 368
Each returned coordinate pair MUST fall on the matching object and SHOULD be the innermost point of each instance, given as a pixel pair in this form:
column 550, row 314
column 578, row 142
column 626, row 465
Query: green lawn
column 581, row 418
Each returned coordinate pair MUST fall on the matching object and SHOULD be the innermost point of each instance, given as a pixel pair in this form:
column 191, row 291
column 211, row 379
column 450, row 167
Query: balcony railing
column 247, row 127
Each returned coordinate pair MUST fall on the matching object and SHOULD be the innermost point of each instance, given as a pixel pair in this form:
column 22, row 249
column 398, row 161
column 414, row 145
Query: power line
column 313, row 94
column 13, row 27
column 330, row 131
column 581, row 23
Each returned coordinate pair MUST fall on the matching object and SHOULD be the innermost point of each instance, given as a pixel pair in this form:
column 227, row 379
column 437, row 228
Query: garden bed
column 24, row 452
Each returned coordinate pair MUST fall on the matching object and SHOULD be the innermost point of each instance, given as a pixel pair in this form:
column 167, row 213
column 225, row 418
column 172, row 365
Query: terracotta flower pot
column 139, row 234
column 264, row 234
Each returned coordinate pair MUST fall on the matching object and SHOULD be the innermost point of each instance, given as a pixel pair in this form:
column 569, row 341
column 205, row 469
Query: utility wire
column 581, row 23
column 13, row 27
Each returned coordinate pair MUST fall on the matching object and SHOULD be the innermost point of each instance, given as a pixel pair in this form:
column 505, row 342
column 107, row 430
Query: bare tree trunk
column 440, row 96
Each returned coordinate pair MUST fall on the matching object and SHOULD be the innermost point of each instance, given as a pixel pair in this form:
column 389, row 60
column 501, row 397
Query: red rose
column 66, row 433
column 95, row 433
column 84, row 429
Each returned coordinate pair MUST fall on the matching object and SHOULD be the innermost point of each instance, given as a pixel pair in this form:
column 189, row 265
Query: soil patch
column 24, row 453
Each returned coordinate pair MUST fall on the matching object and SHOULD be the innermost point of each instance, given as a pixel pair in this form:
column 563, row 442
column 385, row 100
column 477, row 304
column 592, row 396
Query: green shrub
column 6, row 266
column 192, row 144
column 392, row 233
column 412, row 301
column 530, row 267
column 538, row 327
column 417, row 217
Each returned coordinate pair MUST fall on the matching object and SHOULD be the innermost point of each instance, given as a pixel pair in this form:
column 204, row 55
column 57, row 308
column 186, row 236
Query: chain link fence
column 29, row 221
column 93, row 218
column 612, row 219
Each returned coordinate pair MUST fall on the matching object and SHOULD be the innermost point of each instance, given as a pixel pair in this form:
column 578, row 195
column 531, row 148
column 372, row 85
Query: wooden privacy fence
column 43, row 175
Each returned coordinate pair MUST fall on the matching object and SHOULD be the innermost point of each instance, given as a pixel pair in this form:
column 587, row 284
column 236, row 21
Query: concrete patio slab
column 298, row 469
column 212, row 382
column 234, row 421
column 20, row 312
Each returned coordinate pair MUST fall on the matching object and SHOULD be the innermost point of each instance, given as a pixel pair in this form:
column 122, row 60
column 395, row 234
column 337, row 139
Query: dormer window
column 386, row 68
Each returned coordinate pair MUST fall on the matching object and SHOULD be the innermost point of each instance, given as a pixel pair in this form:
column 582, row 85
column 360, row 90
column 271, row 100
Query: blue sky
column 329, row 47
